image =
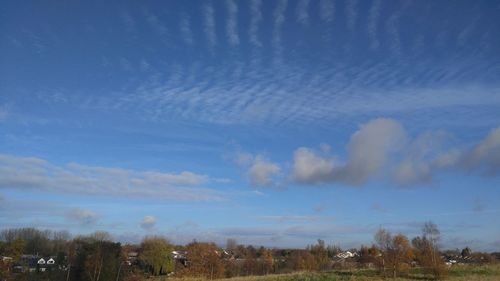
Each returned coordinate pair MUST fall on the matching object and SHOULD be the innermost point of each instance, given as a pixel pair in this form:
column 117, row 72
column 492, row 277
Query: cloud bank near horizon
column 32, row 173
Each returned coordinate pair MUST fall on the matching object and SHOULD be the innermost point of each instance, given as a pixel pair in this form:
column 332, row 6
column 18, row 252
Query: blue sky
column 272, row 122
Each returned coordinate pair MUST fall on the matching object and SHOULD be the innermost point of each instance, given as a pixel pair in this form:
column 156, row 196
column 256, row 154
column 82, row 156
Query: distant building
column 346, row 254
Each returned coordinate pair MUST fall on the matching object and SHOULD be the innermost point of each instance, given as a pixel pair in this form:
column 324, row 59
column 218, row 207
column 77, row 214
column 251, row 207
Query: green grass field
column 457, row 273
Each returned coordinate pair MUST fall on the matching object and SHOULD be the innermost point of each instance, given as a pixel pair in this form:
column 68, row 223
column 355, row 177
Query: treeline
column 96, row 257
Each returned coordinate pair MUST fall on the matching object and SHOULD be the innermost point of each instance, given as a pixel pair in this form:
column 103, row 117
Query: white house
column 41, row 261
column 345, row 255
column 51, row 261
column 6, row 259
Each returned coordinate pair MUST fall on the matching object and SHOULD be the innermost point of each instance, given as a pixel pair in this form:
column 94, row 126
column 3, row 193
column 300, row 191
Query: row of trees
column 43, row 242
column 96, row 257
column 90, row 258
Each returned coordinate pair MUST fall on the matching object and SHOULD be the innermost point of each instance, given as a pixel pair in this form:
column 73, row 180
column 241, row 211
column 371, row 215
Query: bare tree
column 383, row 240
column 427, row 250
column 431, row 232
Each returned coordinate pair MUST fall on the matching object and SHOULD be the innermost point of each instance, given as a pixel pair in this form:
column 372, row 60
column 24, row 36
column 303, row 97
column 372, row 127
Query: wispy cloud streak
column 232, row 23
column 128, row 22
column 185, row 28
column 302, row 12
column 351, row 14
column 209, row 24
column 290, row 95
column 279, row 20
column 372, row 27
column 256, row 18
column 156, row 24
column 38, row 174
column 326, row 10
column 393, row 33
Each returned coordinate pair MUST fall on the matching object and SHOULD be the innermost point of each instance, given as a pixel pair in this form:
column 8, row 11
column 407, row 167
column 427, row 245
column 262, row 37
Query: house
column 29, row 263
column 132, row 257
column 179, row 254
column 180, row 257
column 6, row 259
column 41, row 265
column 346, row 254
column 34, row 263
column 18, row 268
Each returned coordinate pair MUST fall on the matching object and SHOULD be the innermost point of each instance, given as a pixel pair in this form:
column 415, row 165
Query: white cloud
column 382, row 149
column 427, row 158
column 484, row 157
column 368, row 154
column 256, row 18
column 419, row 162
column 310, row 168
column 81, row 216
column 209, row 24
column 232, row 23
column 409, row 172
column 38, row 174
column 369, row 149
column 261, row 172
column 148, row 222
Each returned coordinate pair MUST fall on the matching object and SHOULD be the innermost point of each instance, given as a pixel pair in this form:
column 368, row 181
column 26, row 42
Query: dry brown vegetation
column 457, row 273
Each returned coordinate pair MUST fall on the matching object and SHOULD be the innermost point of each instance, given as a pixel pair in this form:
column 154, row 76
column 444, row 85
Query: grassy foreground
column 458, row 273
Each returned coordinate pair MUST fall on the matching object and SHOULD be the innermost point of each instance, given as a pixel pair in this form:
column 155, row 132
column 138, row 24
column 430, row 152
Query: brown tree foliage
column 4, row 270
column 368, row 255
column 400, row 255
column 15, row 248
column 427, row 251
column 303, row 260
column 320, row 253
column 396, row 253
column 267, row 261
column 204, row 260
